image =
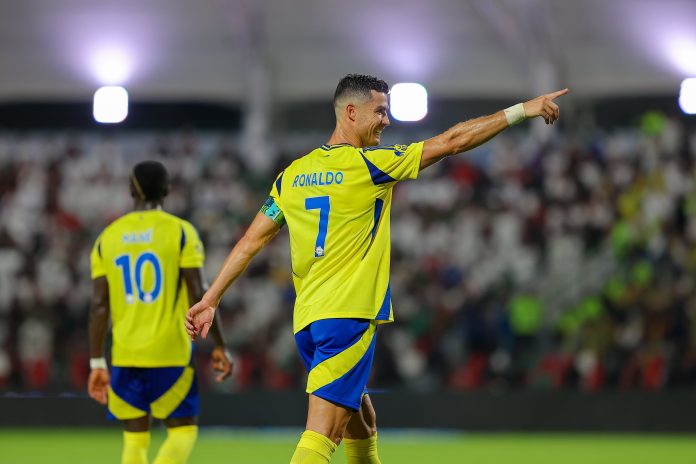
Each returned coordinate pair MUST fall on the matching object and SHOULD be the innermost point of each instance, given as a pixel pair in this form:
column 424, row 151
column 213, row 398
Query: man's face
column 371, row 118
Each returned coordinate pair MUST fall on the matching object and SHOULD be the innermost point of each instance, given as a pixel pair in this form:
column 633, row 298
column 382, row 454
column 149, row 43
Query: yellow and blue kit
column 336, row 201
column 141, row 255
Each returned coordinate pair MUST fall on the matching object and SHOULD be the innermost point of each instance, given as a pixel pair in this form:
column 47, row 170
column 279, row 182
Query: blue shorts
column 164, row 392
column 338, row 354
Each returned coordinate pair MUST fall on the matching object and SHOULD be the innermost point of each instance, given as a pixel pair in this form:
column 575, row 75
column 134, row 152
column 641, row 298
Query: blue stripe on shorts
column 324, row 339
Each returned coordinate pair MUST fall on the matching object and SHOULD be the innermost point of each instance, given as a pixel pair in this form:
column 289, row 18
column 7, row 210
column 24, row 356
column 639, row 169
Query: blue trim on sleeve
column 385, row 310
column 99, row 249
column 279, row 182
column 378, row 176
column 183, row 239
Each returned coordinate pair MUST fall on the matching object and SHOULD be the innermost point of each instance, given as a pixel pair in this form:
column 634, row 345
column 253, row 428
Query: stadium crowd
column 567, row 263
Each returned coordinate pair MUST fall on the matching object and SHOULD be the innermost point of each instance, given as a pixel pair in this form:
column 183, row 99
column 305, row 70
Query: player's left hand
column 98, row 384
column 222, row 362
column 199, row 318
column 544, row 106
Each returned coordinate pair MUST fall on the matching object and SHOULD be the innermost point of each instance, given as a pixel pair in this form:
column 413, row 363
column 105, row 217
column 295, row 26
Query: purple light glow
column 105, row 43
column 682, row 52
column 663, row 31
column 111, row 64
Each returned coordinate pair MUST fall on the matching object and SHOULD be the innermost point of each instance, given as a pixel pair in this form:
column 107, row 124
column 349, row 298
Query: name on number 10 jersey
column 141, row 255
column 336, row 202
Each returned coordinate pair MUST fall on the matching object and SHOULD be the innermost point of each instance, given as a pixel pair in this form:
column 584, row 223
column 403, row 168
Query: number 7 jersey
column 336, row 202
column 141, row 255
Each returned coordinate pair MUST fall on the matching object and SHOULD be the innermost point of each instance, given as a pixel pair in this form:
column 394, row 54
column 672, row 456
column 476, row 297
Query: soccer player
column 336, row 201
column 139, row 266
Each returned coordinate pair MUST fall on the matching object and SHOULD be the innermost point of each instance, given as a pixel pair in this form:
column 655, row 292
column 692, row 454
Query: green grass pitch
column 76, row 446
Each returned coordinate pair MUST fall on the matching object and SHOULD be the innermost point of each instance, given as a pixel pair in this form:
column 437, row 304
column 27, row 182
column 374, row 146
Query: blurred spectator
column 568, row 264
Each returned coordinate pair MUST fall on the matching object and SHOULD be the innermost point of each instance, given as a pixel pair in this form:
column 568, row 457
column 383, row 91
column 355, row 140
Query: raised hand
column 199, row 318
column 98, row 385
column 222, row 362
column 545, row 106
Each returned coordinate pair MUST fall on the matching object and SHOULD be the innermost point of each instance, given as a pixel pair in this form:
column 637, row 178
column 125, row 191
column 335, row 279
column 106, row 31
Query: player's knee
column 371, row 420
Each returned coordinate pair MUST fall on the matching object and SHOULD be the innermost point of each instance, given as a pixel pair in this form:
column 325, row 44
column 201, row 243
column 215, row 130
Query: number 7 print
column 324, row 206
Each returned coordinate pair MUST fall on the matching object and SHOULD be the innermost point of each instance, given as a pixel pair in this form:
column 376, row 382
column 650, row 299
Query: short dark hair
column 150, row 180
column 359, row 84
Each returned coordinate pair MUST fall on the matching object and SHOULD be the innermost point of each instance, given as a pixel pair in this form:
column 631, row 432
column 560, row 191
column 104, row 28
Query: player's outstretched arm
column 98, row 382
column 200, row 316
column 470, row 134
column 221, row 359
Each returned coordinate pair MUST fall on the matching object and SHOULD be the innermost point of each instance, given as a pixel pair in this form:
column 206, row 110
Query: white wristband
column 97, row 363
column 515, row 114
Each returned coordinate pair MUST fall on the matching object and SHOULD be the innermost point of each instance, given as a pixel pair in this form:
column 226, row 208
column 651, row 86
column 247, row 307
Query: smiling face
column 370, row 118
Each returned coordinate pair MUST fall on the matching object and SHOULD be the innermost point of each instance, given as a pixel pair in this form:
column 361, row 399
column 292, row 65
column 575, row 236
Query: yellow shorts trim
column 122, row 410
column 163, row 406
column 337, row 366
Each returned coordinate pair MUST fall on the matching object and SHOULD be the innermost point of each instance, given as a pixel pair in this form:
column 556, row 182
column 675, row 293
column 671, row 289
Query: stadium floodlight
column 687, row 96
column 408, row 101
column 110, row 104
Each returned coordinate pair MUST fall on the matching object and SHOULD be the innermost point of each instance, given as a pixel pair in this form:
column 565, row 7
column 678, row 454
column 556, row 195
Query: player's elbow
column 453, row 143
column 251, row 244
column 459, row 143
column 99, row 309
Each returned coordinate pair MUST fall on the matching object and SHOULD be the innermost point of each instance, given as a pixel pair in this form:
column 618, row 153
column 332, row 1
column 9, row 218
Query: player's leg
column 360, row 439
column 338, row 354
column 326, row 423
column 136, row 440
column 176, row 403
column 181, row 437
column 127, row 403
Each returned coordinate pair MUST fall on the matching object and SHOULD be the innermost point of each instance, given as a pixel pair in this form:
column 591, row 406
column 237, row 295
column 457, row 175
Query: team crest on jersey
column 399, row 149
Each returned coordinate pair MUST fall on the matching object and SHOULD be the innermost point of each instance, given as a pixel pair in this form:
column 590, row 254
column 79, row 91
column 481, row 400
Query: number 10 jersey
column 141, row 255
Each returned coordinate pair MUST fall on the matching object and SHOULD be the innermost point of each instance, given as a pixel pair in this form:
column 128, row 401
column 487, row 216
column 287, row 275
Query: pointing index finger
column 558, row 93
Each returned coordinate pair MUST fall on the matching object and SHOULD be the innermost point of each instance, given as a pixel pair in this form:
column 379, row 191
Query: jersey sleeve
column 97, row 263
column 192, row 253
column 272, row 207
column 393, row 162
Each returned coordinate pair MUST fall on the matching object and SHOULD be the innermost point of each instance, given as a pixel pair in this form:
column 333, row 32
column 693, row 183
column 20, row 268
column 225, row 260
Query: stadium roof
column 297, row 49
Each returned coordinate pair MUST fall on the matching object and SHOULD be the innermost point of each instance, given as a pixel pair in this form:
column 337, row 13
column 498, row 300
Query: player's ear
column 351, row 111
column 133, row 193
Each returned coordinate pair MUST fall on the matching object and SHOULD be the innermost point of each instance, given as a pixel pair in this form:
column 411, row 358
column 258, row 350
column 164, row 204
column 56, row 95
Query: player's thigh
column 140, row 424
column 328, row 418
column 344, row 351
column 174, row 393
column 363, row 424
column 127, row 400
column 172, row 422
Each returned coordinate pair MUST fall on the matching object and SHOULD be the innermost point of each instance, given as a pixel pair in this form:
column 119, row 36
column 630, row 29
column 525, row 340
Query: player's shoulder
column 386, row 150
column 185, row 225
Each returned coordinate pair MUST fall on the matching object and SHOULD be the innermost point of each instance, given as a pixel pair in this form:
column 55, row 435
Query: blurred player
column 139, row 265
column 337, row 201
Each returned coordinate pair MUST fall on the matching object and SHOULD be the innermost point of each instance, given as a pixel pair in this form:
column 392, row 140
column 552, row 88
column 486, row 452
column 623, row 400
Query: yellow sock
column 135, row 445
column 178, row 445
column 362, row 451
column 313, row 448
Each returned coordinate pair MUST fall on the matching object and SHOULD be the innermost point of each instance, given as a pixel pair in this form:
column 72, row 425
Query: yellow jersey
column 141, row 255
column 336, row 202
